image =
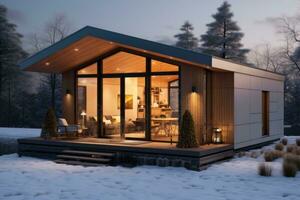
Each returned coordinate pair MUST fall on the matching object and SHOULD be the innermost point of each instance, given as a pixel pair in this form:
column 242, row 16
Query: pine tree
column 187, row 137
column 49, row 125
column 223, row 37
column 11, row 53
column 186, row 38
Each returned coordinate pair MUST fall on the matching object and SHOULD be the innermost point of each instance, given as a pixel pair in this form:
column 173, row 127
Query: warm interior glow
column 87, row 102
column 123, row 62
column 164, row 93
column 91, row 69
column 158, row 66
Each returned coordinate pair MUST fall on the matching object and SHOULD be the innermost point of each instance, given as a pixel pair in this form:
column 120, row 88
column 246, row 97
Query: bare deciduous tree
column 55, row 30
column 289, row 27
column 266, row 57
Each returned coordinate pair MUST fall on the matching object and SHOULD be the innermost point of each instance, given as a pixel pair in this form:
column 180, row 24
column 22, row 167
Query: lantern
column 217, row 136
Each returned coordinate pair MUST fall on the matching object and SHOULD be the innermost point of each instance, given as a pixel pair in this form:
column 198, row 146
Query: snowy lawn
column 15, row 133
column 9, row 136
column 30, row 178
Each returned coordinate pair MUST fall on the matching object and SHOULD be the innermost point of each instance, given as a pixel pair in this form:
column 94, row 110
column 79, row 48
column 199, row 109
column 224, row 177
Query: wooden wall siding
column 208, row 103
column 68, row 79
column 194, row 102
column 223, row 104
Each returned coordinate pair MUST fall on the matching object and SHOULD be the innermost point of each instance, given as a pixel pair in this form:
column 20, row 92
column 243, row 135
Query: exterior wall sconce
column 217, row 136
column 194, row 89
column 68, row 92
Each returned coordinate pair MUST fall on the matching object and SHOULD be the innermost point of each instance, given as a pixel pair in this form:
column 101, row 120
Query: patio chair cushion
column 62, row 122
column 73, row 128
column 106, row 121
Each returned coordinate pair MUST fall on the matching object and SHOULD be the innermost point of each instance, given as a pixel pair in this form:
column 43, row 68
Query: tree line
column 25, row 97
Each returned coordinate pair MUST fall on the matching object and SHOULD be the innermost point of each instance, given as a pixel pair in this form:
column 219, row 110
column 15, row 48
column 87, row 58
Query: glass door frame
column 147, row 75
column 122, row 78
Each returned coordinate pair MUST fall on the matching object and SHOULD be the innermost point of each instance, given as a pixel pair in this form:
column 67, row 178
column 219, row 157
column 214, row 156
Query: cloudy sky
column 153, row 20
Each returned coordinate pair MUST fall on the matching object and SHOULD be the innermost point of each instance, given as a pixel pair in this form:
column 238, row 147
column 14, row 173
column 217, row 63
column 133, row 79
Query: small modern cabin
column 118, row 86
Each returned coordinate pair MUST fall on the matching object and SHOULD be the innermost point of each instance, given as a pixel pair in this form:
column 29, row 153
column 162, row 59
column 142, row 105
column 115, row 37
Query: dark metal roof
column 147, row 45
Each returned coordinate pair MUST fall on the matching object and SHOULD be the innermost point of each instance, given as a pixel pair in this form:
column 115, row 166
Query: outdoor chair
column 66, row 129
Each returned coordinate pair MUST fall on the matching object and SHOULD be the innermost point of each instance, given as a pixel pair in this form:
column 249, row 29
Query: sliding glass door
column 135, row 122
column 111, row 108
column 130, row 96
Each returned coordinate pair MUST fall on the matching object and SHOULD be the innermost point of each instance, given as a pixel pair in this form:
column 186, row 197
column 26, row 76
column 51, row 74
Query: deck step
column 89, row 153
column 83, row 158
column 73, row 162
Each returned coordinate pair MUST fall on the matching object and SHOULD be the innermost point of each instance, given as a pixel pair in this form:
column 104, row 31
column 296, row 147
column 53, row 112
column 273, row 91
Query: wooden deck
column 129, row 151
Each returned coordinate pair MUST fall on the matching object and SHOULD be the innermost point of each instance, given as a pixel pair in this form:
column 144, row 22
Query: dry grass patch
column 298, row 142
column 289, row 169
column 291, row 148
column 284, row 141
column 241, row 154
column 264, row 169
column 297, row 152
column 254, row 154
column 279, row 147
column 292, row 158
column 269, row 156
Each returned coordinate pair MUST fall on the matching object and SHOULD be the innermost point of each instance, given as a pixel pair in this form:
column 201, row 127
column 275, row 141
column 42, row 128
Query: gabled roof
column 95, row 42
column 118, row 38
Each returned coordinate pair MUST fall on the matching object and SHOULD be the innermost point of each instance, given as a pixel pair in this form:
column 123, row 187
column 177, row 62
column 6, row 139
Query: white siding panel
column 242, row 133
column 242, row 81
column 248, row 109
column 242, row 106
column 255, row 131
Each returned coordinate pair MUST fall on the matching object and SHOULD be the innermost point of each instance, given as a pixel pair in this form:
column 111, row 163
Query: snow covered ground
column 15, row 133
column 9, row 136
column 30, row 178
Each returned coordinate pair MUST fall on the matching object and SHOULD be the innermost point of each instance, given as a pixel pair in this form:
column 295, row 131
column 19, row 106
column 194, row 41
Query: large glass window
column 123, row 62
column 87, row 104
column 91, row 69
column 164, row 108
column 158, row 66
column 128, row 92
column 135, row 122
column 111, row 108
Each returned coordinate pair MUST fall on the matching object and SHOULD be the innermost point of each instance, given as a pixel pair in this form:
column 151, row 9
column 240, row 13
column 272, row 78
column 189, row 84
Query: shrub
column 241, row 154
column 273, row 155
column 187, row 137
column 49, row 125
column 279, row 147
column 292, row 158
column 284, row 141
column 297, row 152
column 289, row 169
column 277, row 154
column 290, row 148
column 254, row 154
column 264, row 169
column 298, row 142
column 269, row 157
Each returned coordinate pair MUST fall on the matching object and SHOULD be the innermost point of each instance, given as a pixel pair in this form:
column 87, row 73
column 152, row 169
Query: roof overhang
column 89, row 43
column 221, row 64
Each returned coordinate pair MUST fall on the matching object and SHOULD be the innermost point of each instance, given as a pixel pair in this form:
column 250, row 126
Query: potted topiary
column 187, row 137
column 49, row 125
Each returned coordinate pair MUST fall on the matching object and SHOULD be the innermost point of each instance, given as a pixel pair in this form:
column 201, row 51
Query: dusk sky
column 153, row 20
